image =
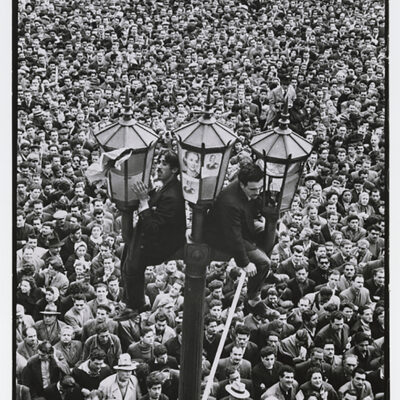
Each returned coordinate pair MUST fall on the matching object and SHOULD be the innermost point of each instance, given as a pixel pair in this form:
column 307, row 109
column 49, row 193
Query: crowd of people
column 317, row 329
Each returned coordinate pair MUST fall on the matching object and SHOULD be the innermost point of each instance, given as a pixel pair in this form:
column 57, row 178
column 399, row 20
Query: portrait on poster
column 190, row 188
column 191, row 163
column 212, row 163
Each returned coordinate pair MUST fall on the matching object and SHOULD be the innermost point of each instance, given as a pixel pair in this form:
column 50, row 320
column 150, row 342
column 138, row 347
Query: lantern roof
column 126, row 132
column 281, row 143
column 206, row 132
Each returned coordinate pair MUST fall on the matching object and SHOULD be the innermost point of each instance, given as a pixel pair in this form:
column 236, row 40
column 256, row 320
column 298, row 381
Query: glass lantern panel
column 120, row 186
column 136, row 164
column 223, row 170
column 275, row 169
column 149, row 163
column 190, row 162
column 289, row 190
column 190, row 188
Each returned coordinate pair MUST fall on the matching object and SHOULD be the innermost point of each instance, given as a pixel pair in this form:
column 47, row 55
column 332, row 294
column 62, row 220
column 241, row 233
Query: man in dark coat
column 160, row 230
column 266, row 373
column 230, row 226
column 64, row 389
column 337, row 330
column 42, row 363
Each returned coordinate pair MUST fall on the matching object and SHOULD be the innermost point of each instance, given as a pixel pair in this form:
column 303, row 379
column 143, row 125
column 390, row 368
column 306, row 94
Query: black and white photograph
column 200, row 200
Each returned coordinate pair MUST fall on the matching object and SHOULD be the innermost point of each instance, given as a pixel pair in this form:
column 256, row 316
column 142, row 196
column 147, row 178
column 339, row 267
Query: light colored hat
column 50, row 309
column 125, row 363
column 79, row 244
column 237, row 390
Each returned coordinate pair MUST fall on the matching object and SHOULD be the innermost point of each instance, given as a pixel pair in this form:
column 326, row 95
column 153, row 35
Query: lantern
column 282, row 154
column 137, row 145
column 204, row 148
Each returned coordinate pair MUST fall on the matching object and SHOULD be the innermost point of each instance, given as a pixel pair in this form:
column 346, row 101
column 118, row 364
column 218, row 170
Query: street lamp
column 136, row 144
column 204, row 148
column 282, row 154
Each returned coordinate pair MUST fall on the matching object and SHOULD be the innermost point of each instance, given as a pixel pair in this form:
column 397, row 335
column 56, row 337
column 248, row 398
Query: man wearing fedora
column 122, row 385
column 50, row 327
column 53, row 275
column 236, row 390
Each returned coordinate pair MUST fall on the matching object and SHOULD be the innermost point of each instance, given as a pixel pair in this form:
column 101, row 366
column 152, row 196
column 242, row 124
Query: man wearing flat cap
column 122, row 385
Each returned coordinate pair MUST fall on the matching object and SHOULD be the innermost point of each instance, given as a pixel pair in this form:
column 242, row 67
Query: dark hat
column 54, row 243
column 260, row 309
column 215, row 284
column 360, row 337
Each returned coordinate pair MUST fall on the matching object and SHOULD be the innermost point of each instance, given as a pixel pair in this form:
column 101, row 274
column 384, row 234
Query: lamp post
column 204, row 148
column 282, row 154
column 138, row 143
column 134, row 145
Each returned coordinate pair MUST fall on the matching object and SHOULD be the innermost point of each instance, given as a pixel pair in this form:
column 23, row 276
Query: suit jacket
column 72, row 354
column 77, row 320
column 89, row 328
column 244, row 368
column 251, row 353
column 299, row 292
column 264, row 379
column 52, row 335
column 32, row 375
column 110, row 388
column 359, row 299
column 27, row 351
column 282, row 254
column 365, row 391
column 230, row 223
column 287, row 268
column 52, row 393
column 328, row 333
column 128, row 332
column 161, row 228
column 112, row 354
column 22, row 392
column 276, row 391
column 302, row 368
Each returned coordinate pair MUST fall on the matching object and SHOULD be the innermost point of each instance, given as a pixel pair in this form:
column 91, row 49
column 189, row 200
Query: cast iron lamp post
column 204, row 148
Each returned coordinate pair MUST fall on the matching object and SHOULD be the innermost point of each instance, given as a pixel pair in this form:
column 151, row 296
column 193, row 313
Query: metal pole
column 196, row 259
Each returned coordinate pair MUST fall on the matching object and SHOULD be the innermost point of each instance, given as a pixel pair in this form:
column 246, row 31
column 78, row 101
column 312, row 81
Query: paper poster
column 212, row 163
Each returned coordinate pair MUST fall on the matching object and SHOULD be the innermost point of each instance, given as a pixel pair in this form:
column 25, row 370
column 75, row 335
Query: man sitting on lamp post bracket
column 232, row 227
column 160, row 230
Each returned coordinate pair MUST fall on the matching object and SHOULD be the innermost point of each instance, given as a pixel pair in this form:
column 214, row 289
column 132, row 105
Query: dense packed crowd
column 318, row 332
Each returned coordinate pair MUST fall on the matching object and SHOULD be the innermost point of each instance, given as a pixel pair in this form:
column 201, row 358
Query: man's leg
column 262, row 262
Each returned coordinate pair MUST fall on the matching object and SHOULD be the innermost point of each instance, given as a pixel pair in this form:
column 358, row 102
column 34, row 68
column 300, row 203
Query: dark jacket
column 328, row 333
column 264, row 379
column 161, row 228
column 230, row 223
column 32, row 375
column 22, row 392
column 52, row 393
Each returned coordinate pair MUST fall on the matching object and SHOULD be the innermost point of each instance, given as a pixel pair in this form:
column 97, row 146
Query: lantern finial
column 284, row 120
column 208, row 105
column 127, row 107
